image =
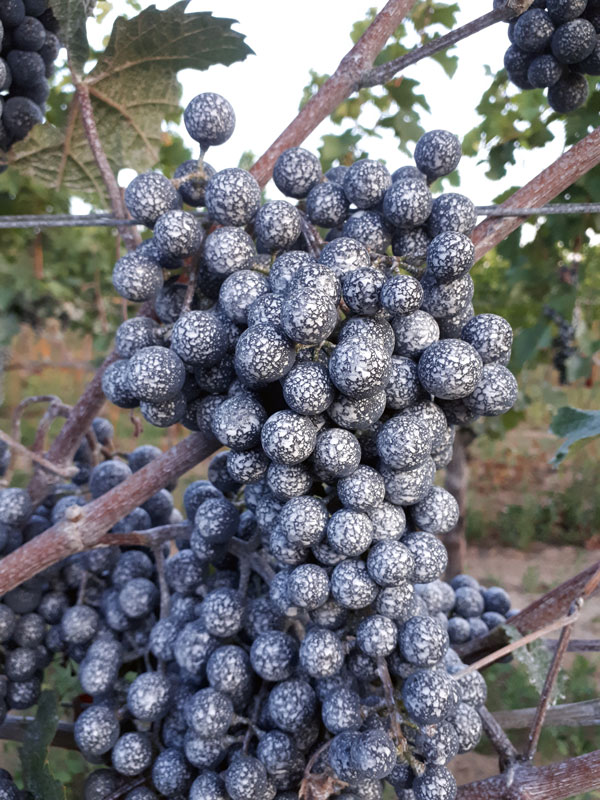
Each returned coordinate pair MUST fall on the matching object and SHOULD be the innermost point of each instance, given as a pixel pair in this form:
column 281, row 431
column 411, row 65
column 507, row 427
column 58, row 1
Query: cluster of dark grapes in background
column 29, row 46
column 239, row 680
column 300, row 625
column 554, row 45
column 564, row 344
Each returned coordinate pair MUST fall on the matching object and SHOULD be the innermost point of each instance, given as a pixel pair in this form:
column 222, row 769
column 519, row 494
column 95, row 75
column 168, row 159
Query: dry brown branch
column 86, row 526
column 337, row 88
column 586, row 713
column 62, row 472
column 507, row 754
column 552, row 782
column 553, row 180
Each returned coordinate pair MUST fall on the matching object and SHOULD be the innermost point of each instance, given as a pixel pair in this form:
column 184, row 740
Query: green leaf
column 34, row 752
column 528, row 342
column 337, row 148
column 574, row 425
column 72, row 17
column 133, row 88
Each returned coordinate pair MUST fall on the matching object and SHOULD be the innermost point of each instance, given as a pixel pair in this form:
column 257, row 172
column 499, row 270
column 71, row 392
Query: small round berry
column 149, row 195
column 277, row 225
column 232, row 197
column 437, row 153
column 209, row 119
column 296, row 171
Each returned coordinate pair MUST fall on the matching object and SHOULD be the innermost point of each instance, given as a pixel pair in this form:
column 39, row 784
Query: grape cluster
column 29, row 46
column 303, row 598
column 554, row 46
column 563, row 344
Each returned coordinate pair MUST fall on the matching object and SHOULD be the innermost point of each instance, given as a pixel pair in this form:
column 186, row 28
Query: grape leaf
column 574, row 425
column 72, row 17
column 133, row 88
column 34, row 753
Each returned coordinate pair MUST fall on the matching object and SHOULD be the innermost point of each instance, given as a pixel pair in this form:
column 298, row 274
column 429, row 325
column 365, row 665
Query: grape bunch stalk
column 297, row 634
column 29, row 46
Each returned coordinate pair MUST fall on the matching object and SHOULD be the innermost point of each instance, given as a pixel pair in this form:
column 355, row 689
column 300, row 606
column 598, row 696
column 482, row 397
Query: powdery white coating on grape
column 414, row 332
column 574, row 41
column 155, row 374
column 96, row 731
column 533, row 30
column 472, row 687
column 215, row 521
column 370, row 228
column 337, row 453
column 209, row 713
column 374, row 329
column 149, row 195
column 132, row 754
column 351, row 584
column 262, row 355
column 307, row 388
column 467, row 723
column 198, row 338
column 459, row 630
column 289, row 480
column 247, row 466
column 437, row 153
column 308, row 317
column 168, row 303
column 326, row 205
column 149, row 696
column 403, row 443
column 321, row 653
column 450, row 255
column 365, row 183
column 284, row 268
column 339, row 756
column 450, row 369
column 227, row 250
column 304, row 520
column 208, row 786
column 361, row 289
column 15, row 506
column 390, row 563
column 133, row 334
column 192, row 190
column 237, row 422
column 374, row 754
column 356, row 415
column 568, row 93
column 341, row 710
column 232, row 197
column 284, row 551
column 329, row 615
column 228, row 669
column 403, row 488
column 403, row 388
column 395, row 601
column 292, row 704
column 349, row 532
column 451, row 327
column 266, row 308
column 451, row 212
column 316, row 276
column 239, row 291
column 411, row 245
column 437, row 512
column 429, row 554
column 193, row 647
column 171, row 774
column 495, row 392
column 436, row 783
column 389, row 522
column 407, row 203
column 222, row 612
column 361, row 491
column 277, row 224
column 308, row 586
column 296, row 171
column 165, row 413
column 359, row 368
column 137, row 278
column 456, row 412
column 288, row 438
column 428, row 696
column 423, row 641
column 544, row 71
column 343, row 255
column 443, row 300
column 178, row 234
column 209, row 119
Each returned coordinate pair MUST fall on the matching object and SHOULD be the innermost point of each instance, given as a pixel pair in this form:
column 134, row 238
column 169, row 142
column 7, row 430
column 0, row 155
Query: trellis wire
column 107, row 221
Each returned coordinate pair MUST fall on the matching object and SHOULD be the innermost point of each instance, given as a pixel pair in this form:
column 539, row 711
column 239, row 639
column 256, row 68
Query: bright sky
column 290, row 39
